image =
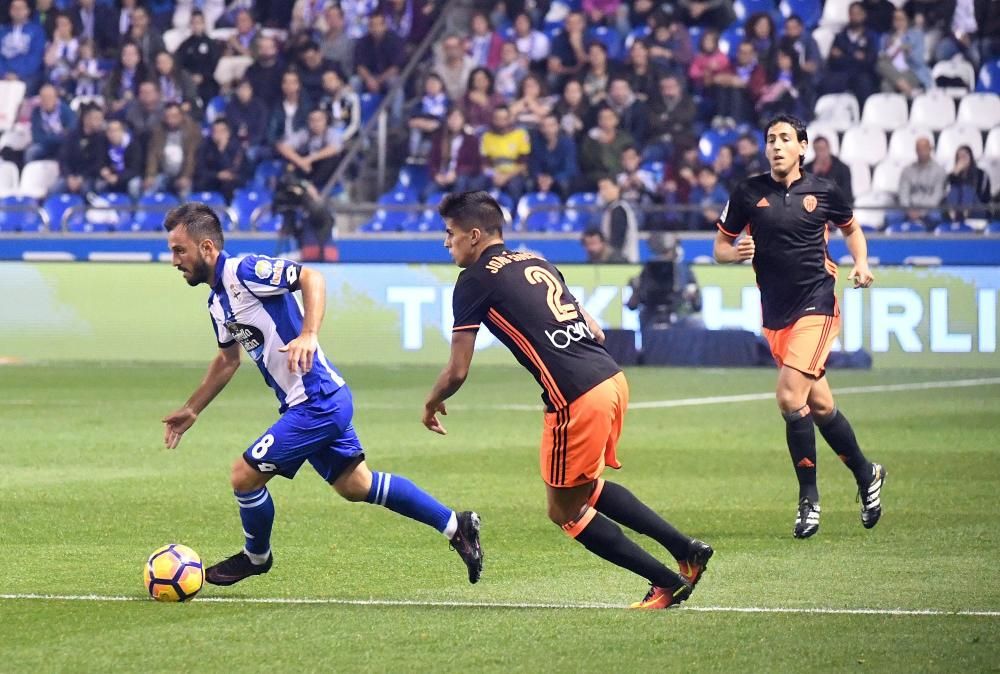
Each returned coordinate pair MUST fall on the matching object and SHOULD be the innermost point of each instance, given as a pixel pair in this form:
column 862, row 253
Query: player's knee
column 243, row 478
column 789, row 399
column 558, row 515
column 354, row 484
column 822, row 409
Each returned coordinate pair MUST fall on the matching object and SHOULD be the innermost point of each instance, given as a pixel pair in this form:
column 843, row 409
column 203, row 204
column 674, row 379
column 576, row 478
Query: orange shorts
column 805, row 344
column 579, row 440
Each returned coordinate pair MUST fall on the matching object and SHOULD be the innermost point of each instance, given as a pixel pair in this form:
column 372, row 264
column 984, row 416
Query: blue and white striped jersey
column 252, row 303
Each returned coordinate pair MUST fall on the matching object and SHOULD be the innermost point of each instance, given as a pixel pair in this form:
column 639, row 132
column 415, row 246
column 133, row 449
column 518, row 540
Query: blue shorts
column 319, row 432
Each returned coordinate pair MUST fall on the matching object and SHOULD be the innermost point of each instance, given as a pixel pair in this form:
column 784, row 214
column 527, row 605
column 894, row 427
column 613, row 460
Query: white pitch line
column 642, row 405
column 750, row 397
column 503, row 605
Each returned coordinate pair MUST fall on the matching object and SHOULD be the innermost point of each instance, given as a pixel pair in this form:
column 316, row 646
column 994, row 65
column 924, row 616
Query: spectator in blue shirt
column 553, row 158
column 22, row 47
column 708, row 194
column 51, row 122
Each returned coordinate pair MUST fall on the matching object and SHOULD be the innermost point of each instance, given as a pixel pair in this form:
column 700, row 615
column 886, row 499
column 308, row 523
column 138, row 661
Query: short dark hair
column 468, row 210
column 790, row 120
column 200, row 220
column 593, row 231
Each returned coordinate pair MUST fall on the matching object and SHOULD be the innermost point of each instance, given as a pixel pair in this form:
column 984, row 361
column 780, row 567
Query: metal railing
column 378, row 122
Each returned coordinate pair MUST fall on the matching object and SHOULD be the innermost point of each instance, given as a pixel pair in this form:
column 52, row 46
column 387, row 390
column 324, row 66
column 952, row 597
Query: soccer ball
column 173, row 573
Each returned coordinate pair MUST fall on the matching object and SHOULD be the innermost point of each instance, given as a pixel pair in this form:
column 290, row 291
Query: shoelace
column 649, row 595
column 804, row 509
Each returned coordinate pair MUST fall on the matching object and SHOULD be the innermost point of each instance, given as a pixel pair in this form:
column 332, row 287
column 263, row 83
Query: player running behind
column 251, row 303
column 785, row 213
column 524, row 301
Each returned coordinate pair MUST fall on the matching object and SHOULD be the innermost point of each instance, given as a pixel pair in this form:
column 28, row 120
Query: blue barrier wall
column 968, row 250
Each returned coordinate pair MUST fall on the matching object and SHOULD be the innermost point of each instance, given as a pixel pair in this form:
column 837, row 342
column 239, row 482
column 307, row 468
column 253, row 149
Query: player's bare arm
column 463, row 344
column 857, row 246
column 220, row 372
column 302, row 349
column 594, row 327
column 727, row 249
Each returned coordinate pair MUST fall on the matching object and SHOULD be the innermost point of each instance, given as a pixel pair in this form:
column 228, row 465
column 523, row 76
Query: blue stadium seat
column 989, row 77
column 581, row 212
column 430, row 220
column 151, row 210
column 993, row 227
column 218, row 204
column 369, row 104
column 640, row 33
column 269, row 222
column 216, row 108
column 712, row 140
column 246, row 203
column 729, row 40
column 266, row 174
column 953, row 228
column 107, row 212
column 610, row 38
column 656, row 168
column 552, row 31
column 746, row 8
column 539, row 212
column 905, row 227
column 56, row 206
column 392, row 220
column 506, row 203
column 695, row 33
column 413, row 177
column 809, row 11
column 19, row 214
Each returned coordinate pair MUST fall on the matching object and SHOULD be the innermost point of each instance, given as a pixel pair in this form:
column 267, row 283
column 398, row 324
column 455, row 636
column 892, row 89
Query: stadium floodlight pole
column 371, row 125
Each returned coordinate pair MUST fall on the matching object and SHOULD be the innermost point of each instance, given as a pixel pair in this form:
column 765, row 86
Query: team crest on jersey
column 809, row 203
column 263, row 269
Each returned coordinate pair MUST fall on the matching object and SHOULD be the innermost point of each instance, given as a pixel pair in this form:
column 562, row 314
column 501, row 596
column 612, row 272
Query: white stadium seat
column 824, row 40
column 835, row 14
column 981, row 110
column 863, row 144
column 992, row 168
column 839, row 110
column 38, row 177
column 885, row 111
column 11, row 94
column 9, row 178
column 934, row 110
column 869, row 209
column 173, row 38
column 861, row 179
column 886, row 176
column 955, row 68
column 954, row 137
column 992, row 147
column 903, row 143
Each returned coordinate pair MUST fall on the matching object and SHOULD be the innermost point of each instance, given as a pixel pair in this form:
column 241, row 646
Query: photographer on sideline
column 305, row 216
column 666, row 292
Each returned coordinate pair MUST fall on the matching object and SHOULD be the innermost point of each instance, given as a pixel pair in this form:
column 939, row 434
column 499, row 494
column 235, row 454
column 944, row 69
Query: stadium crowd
column 656, row 105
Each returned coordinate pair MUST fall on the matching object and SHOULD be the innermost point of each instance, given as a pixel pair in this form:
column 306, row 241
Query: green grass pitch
column 87, row 491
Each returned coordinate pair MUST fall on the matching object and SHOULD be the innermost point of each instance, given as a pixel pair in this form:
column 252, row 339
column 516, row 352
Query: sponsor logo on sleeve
column 263, row 269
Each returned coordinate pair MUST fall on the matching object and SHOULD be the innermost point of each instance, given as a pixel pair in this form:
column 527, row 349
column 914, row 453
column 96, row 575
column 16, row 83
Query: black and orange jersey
column 795, row 274
column 524, row 301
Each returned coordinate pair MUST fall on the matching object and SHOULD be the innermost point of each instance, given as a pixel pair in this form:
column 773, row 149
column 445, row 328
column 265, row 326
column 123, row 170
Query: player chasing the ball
column 785, row 214
column 523, row 300
column 251, row 304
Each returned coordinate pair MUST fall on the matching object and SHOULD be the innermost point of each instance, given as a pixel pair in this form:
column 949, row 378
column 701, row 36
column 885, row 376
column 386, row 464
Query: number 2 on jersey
column 562, row 311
